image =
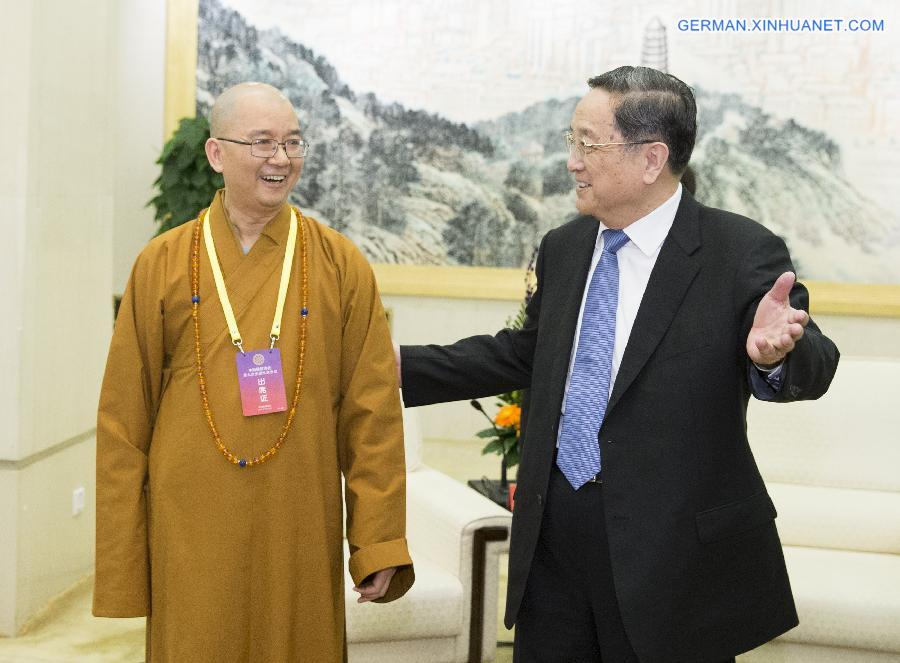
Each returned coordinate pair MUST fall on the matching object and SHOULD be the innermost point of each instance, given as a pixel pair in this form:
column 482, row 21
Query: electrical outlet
column 77, row 501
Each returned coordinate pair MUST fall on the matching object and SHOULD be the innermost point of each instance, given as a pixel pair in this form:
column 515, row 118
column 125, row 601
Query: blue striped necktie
column 579, row 446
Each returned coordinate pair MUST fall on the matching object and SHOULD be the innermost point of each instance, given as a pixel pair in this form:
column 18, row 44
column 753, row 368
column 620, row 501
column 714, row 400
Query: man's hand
column 397, row 359
column 375, row 586
column 777, row 326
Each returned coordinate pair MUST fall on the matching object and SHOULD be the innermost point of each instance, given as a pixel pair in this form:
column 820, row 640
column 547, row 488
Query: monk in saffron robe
column 231, row 542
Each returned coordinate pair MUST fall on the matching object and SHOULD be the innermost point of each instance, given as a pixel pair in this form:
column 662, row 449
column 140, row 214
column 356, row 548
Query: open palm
column 777, row 326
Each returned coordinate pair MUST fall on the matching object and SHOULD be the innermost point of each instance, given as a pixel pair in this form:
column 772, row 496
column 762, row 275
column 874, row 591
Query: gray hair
column 653, row 105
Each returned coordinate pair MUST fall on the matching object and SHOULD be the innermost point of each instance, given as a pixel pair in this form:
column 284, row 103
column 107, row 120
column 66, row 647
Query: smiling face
column 258, row 186
column 609, row 181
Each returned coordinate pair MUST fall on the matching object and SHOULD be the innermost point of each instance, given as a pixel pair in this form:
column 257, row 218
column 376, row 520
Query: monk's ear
column 214, row 154
column 655, row 157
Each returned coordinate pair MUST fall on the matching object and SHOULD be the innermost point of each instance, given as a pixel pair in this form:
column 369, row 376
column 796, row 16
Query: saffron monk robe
column 219, row 508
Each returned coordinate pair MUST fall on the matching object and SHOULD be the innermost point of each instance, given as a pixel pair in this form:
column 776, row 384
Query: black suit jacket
column 697, row 563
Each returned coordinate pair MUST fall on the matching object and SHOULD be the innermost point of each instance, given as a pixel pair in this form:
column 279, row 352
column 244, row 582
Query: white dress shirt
column 636, row 261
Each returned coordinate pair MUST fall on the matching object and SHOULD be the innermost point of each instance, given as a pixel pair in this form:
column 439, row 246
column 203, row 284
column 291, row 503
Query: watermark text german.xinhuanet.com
column 781, row 25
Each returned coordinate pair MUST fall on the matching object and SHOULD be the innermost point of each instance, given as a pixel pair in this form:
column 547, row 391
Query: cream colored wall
column 55, row 548
column 140, row 64
column 9, row 558
column 14, row 114
column 863, row 337
column 57, row 61
column 14, row 73
column 68, row 199
column 444, row 320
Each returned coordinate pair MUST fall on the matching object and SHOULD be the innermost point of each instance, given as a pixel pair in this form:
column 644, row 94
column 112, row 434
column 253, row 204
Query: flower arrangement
column 504, row 434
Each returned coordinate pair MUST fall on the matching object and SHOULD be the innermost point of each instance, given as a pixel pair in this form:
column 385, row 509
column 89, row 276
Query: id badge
column 261, row 381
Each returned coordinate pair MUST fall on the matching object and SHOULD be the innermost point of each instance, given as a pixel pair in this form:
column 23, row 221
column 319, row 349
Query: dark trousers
column 569, row 611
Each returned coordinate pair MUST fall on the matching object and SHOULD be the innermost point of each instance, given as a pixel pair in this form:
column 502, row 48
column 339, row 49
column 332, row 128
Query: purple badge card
column 261, row 382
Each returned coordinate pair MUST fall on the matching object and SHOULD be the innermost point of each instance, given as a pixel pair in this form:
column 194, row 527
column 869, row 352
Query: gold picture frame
column 827, row 298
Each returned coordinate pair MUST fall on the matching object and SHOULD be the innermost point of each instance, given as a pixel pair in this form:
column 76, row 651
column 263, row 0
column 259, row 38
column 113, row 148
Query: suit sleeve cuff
column 766, row 383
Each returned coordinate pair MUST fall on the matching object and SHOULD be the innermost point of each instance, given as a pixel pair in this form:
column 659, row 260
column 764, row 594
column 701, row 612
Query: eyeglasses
column 581, row 148
column 266, row 148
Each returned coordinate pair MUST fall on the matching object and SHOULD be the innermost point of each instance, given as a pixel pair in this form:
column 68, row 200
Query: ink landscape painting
column 436, row 131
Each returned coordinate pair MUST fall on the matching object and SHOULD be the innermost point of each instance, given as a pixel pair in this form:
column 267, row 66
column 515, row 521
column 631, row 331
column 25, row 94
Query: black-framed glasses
column 266, row 148
column 581, row 147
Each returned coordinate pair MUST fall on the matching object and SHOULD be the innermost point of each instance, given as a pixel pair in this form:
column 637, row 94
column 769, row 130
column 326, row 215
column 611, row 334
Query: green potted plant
column 186, row 183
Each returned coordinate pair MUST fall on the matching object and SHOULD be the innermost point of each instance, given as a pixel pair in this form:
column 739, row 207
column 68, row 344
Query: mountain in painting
column 408, row 186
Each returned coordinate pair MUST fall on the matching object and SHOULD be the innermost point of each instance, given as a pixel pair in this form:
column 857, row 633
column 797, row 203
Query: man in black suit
column 642, row 529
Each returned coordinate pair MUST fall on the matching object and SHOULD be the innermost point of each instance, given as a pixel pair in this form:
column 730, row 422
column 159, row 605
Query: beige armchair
column 456, row 537
column 832, row 467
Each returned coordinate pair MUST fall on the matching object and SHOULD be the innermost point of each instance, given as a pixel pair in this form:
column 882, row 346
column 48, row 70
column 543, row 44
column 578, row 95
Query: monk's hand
column 375, row 586
column 777, row 326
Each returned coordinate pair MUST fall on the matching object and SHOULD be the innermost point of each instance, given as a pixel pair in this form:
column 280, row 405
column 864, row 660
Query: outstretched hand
column 776, row 326
column 375, row 586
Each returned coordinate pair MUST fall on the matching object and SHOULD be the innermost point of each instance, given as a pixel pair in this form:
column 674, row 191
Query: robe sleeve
column 129, row 398
column 370, row 432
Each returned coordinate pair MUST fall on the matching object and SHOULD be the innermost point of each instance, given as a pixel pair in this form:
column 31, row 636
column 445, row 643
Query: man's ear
column 214, row 154
column 655, row 157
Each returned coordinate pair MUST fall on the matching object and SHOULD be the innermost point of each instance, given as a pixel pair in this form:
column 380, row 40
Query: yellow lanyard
column 223, row 293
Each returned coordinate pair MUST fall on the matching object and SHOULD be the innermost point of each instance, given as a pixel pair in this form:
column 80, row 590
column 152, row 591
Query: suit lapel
column 675, row 269
column 574, row 262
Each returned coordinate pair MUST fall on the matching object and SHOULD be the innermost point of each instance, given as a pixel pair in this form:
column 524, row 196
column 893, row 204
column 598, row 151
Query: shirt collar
column 276, row 229
column 649, row 232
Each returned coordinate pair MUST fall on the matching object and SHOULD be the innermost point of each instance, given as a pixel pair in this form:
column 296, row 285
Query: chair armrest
column 442, row 516
column 465, row 533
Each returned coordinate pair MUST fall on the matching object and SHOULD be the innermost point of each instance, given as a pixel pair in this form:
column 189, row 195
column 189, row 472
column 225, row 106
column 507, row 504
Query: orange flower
column 509, row 415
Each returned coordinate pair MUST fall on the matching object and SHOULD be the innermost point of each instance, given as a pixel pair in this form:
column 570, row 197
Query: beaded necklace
column 301, row 349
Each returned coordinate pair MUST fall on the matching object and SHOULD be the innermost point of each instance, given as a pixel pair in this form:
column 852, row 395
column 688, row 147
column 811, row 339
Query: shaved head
column 225, row 108
column 256, row 186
